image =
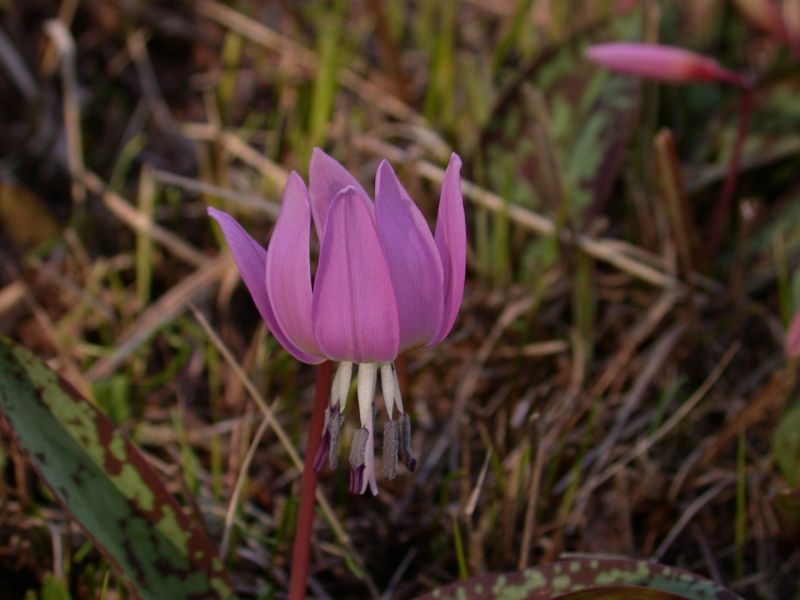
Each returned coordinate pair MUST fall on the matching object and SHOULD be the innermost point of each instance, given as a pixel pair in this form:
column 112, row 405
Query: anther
column 335, row 419
column 356, row 480
column 358, row 447
column 391, row 447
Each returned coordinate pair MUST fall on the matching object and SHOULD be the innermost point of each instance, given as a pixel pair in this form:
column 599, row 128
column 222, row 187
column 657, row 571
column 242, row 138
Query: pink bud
column 792, row 342
column 663, row 63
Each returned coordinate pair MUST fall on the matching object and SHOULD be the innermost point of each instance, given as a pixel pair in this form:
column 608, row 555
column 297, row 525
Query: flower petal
column 326, row 178
column 792, row 342
column 288, row 269
column 413, row 260
column 353, row 310
column 251, row 259
column 451, row 240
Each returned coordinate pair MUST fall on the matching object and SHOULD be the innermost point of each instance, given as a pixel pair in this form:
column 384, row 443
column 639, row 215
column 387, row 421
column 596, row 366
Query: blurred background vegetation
column 609, row 387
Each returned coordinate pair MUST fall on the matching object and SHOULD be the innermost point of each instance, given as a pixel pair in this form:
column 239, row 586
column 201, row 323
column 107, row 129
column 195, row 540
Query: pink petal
column 413, row 259
column 326, row 178
column 664, row 63
column 288, row 269
column 792, row 342
column 251, row 259
column 353, row 310
column 451, row 240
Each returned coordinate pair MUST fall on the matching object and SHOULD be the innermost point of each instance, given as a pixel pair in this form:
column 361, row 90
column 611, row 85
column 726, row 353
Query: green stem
column 308, row 486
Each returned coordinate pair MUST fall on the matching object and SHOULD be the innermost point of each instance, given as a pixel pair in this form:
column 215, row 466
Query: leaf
column 619, row 592
column 106, row 483
column 585, row 578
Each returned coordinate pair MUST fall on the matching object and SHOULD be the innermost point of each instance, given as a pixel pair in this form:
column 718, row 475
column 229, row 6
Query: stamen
column 358, row 447
column 406, row 456
column 391, row 446
column 367, row 377
column 356, row 480
column 335, row 420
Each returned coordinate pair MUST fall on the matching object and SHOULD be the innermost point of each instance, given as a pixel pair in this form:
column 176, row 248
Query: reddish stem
column 719, row 218
column 308, row 486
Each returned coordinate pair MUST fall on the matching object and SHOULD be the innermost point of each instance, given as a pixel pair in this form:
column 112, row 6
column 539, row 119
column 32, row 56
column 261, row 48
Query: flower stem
column 723, row 206
column 308, row 486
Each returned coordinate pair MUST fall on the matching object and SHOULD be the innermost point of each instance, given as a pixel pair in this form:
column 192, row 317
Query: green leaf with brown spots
column 588, row 578
column 107, row 485
column 620, row 592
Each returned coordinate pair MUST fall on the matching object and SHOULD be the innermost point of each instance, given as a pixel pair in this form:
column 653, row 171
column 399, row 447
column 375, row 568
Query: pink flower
column 664, row 63
column 383, row 284
column 792, row 342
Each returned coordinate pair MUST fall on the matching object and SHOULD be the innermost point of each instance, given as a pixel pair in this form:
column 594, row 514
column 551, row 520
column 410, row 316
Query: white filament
column 341, row 384
column 367, row 377
column 369, row 454
column 398, row 398
column 388, row 386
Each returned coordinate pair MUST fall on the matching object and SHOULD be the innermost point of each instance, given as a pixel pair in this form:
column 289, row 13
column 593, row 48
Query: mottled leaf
column 107, row 485
column 588, row 577
column 619, row 592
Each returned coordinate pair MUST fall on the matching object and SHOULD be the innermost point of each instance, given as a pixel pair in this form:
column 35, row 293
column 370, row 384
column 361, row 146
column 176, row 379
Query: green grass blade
column 106, row 484
column 326, row 84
